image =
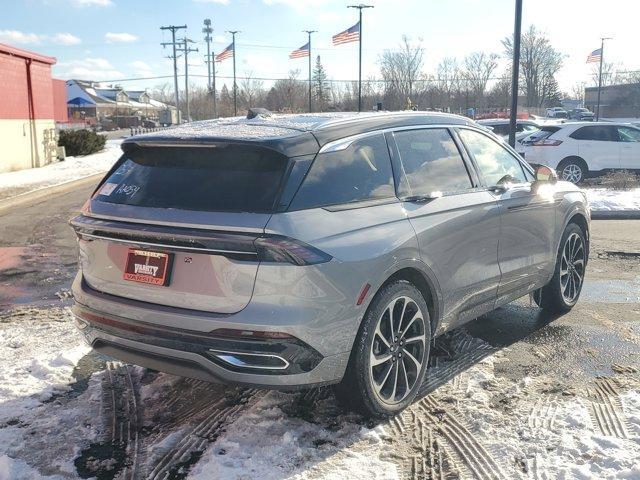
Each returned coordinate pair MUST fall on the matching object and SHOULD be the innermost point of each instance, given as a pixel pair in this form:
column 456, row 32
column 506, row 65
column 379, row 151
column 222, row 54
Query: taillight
column 288, row 250
column 547, row 143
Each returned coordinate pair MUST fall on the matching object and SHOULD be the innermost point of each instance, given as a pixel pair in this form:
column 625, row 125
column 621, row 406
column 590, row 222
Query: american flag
column 595, row 56
column 303, row 51
column 226, row 53
column 349, row 35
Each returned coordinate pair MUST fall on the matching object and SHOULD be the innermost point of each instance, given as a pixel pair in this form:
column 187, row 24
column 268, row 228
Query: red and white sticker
column 107, row 189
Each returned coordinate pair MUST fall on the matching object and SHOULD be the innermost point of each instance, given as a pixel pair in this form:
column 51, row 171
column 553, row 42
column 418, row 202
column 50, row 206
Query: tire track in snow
column 544, row 411
column 193, row 443
column 605, row 408
column 472, row 455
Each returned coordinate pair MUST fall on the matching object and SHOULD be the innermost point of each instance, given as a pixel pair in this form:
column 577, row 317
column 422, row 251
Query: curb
column 615, row 215
column 45, row 192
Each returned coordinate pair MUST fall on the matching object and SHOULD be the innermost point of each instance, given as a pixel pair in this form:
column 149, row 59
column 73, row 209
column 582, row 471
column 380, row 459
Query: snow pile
column 602, row 199
column 38, row 356
column 72, row 168
column 267, row 443
column 42, row 429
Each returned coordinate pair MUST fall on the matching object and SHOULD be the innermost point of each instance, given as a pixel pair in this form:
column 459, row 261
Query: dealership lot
column 512, row 395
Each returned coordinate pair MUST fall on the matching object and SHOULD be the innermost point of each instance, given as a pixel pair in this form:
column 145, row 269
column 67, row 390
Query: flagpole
column 600, row 76
column 360, row 8
column 309, row 32
column 235, row 86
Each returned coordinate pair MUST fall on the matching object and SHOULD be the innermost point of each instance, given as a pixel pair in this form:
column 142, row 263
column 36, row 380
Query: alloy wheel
column 572, row 267
column 398, row 350
column 572, row 173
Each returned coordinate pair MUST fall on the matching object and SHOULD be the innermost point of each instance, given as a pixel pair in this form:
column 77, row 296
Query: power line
column 174, row 29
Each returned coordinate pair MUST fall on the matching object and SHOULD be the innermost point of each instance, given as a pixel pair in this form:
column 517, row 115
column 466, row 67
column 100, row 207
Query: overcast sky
column 118, row 39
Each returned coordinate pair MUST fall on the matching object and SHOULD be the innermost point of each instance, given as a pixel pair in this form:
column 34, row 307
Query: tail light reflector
column 547, row 143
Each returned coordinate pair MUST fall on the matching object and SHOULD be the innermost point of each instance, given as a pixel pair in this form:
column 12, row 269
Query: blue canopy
column 79, row 101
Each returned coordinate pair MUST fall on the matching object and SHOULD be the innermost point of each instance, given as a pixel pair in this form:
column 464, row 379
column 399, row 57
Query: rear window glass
column 360, row 172
column 230, row 178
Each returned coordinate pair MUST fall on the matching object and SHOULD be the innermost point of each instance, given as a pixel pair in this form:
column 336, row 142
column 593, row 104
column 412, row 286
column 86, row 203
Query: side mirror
column 545, row 174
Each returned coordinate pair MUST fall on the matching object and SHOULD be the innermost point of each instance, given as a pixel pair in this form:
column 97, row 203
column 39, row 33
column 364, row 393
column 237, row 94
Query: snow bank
column 602, row 199
column 72, row 168
column 15, row 469
column 38, row 356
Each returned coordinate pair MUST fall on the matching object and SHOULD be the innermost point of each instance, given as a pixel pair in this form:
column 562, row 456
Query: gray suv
column 288, row 251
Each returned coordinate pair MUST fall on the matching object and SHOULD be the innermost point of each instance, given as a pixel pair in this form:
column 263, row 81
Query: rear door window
column 225, row 178
column 431, row 162
column 497, row 165
column 599, row 133
column 360, row 172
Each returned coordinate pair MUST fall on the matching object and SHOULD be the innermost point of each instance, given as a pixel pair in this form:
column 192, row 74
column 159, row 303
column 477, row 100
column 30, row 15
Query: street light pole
column 235, row 85
column 309, row 32
column 600, row 75
column 360, row 7
column 515, row 73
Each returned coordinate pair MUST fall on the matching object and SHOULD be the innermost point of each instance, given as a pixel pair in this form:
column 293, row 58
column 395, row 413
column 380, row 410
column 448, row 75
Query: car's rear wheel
column 572, row 170
column 563, row 291
column 390, row 355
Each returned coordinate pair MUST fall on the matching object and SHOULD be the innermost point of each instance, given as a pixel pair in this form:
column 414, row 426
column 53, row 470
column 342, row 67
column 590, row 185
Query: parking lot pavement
column 514, row 394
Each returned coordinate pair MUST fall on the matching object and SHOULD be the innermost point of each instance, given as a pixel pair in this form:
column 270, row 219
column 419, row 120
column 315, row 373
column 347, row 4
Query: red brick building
column 30, row 104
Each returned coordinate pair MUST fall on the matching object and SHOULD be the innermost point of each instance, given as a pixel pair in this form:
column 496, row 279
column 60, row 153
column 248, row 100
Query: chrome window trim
column 344, row 143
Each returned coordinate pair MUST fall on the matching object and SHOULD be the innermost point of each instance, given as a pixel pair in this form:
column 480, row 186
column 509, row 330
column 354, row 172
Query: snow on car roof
column 260, row 127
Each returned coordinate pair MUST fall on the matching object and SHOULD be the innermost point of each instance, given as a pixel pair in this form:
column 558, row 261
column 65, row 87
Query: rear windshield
column 544, row 132
column 227, row 178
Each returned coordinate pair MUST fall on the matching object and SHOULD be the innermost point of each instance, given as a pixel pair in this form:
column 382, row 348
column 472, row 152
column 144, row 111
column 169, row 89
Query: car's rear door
column 629, row 147
column 598, row 146
column 527, row 243
column 457, row 224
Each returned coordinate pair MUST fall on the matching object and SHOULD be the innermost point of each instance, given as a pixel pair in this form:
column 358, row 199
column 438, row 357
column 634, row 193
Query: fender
column 429, row 277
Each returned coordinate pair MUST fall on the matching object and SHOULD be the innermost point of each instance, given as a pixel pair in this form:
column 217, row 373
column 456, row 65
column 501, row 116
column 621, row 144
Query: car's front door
column 457, row 224
column 526, row 251
column 629, row 148
column 598, row 146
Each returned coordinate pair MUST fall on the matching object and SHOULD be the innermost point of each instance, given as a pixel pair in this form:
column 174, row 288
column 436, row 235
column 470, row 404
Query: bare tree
column 609, row 73
column 478, row 68
column 251, row 90
column 539, row 63
column 400, row 69
column 288, row 94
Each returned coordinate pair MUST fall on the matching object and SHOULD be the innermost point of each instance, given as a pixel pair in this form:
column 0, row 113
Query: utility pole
column 600, row 75
column 211, row 65
column 360, row 8
column 309, row 32
column 235, row 85
column 515, row 73
column 185, row 51
column 173, row 29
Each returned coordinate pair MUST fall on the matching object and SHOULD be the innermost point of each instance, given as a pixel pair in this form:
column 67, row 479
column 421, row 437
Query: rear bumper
column 112, row 326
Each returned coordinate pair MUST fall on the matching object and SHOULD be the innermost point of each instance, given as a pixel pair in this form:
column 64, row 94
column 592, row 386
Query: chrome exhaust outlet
column 261, row 361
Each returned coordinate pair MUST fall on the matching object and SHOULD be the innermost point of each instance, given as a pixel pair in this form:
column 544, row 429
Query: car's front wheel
column 390, row 355
column 563, row 291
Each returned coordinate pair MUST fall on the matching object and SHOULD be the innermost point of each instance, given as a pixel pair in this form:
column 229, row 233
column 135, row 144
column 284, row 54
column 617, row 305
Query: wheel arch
column 576, row 159
column 581, row 220
column 421, row 276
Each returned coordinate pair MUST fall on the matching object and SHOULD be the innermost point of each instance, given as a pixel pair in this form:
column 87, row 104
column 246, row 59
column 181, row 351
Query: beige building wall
column 26, row 144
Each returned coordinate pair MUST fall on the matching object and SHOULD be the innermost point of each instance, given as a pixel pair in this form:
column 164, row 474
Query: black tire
column 551, row 298
column 358, row 391
column 572, row 169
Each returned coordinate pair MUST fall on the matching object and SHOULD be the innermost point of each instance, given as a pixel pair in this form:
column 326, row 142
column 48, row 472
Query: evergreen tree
column 321, row 86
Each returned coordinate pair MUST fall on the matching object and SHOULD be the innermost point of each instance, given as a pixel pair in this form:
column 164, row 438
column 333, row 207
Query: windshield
column 227, row 178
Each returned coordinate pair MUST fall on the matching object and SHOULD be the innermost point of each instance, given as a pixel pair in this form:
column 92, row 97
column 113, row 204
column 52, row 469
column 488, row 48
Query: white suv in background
column 578, row 149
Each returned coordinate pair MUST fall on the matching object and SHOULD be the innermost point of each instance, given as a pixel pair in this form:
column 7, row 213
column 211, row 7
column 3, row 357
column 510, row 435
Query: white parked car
column 578, row 149
column 556, row 112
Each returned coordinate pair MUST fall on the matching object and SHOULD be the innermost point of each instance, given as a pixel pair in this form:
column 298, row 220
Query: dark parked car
column 291, row 251
column 581, row 114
